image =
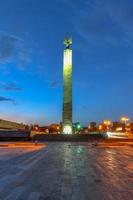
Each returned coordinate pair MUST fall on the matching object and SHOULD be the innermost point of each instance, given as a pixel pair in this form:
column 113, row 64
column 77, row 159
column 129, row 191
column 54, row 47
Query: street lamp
column 107, row 123
column 124, row 119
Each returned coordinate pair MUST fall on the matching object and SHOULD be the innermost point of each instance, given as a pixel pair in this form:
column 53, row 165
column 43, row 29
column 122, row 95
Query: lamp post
column 125, row 120
column 107, row 123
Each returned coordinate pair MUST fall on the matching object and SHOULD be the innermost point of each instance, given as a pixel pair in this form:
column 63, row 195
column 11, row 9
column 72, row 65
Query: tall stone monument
column 67, row 87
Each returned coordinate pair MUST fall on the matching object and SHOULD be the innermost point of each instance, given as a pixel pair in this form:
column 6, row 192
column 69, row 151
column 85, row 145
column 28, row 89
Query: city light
column 115, row 135
column 89, row 127
column 100, row 127
column 124, row 119
column 119, row 129
column 107, row 122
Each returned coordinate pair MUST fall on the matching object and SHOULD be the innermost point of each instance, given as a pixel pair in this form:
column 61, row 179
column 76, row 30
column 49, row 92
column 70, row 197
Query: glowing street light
column 124, row 119
column 107, row 123
column 78, row 126
column 119, row 129
column 100, row 127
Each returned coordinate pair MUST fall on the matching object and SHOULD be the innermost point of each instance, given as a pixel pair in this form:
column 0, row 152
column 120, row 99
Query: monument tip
column 68, row 40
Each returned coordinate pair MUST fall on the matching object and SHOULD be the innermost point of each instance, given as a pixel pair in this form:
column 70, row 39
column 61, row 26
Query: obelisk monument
column 67, row 87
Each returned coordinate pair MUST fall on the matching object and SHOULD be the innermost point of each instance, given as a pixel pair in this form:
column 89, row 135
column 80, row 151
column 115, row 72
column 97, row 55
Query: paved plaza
column 66, row 171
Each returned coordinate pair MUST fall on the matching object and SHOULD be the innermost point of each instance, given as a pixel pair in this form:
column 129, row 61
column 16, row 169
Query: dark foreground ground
column 66, row 171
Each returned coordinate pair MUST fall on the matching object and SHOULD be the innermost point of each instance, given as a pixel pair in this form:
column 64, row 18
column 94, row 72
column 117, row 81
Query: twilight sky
column 31, row 57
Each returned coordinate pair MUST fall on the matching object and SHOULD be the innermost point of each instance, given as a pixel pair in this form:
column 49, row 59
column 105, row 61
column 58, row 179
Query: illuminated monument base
column 67, row 129
column 67, row 88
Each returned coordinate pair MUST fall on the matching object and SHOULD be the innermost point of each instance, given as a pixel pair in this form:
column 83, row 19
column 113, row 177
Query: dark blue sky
column 31, row 57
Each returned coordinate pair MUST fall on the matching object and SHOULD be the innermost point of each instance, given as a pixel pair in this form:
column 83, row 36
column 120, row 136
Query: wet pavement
column 66, row 171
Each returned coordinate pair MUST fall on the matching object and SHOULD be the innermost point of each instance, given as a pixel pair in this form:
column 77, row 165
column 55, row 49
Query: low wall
column 14, row 135
column 61, row 137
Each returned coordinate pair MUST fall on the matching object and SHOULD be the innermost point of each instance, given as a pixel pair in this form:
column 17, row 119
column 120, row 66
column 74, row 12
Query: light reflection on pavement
column 66, row 171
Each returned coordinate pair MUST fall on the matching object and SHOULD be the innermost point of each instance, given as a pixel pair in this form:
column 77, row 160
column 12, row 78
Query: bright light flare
column 100, row 127
column 67, row 129
column 119, row 129
column 124, row 119
column 67, row 58
column 115, row 135
column 107, row 122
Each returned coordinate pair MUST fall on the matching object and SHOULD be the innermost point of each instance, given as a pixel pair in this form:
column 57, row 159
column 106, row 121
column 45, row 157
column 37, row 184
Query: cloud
column 105, row 31
column 98, row 26
column 103, row 21
column 24, row 59
column 4, row 69
column 6, row 99
column 9, row 86
column 13, row 49
column 8, row 44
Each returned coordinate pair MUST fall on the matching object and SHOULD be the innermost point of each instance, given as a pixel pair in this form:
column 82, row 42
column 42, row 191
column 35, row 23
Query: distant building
column 118, row 126
column 77, row 127
column 131, row 127
column 5, row 124
column 92, row 126
column 53, row 129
